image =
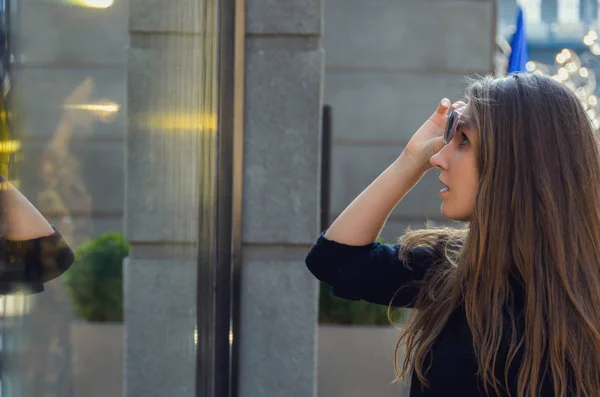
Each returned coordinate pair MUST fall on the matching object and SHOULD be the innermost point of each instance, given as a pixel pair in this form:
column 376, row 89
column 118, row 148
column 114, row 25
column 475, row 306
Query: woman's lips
column 445, row 189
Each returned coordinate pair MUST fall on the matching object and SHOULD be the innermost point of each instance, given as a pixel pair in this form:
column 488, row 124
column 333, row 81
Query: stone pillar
column 284, row 76
column 170, row 182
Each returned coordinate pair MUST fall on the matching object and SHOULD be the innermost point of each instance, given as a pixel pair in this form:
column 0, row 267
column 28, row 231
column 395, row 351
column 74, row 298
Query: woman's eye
column 463, row 139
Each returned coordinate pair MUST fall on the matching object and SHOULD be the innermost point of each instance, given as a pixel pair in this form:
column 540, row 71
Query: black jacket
column 374, row 273
column 26, row 265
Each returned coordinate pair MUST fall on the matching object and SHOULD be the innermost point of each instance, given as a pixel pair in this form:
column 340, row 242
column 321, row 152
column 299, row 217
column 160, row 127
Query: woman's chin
column 452, row 213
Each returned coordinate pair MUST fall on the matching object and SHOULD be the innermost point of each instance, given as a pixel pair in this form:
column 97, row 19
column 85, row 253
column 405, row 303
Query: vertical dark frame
column 5, row 60
column 5, row 26
column 219, row 281
column 326, row 142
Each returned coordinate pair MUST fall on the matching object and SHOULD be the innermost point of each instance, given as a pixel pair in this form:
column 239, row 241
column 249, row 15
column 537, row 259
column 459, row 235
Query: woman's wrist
column 415, row 165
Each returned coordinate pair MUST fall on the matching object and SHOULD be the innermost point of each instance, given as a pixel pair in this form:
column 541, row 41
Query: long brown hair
column 535, row 225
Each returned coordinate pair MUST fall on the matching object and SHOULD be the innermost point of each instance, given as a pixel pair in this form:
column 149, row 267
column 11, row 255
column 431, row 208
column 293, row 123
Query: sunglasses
column 451, row 126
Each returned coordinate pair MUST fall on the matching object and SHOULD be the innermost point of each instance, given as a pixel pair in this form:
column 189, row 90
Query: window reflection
column 63, row 144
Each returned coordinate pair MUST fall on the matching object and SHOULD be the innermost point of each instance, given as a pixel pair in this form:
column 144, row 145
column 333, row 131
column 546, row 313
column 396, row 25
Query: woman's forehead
column 465, row 121
column 466, row 115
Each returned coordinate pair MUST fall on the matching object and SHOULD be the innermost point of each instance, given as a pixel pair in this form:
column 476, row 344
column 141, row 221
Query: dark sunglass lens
column 448, row 134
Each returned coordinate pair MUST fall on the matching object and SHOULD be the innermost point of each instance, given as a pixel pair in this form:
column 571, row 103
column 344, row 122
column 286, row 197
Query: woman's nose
column 437, row 160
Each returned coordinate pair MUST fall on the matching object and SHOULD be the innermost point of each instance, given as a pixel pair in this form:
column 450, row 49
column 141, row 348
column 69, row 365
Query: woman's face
column 459, row 175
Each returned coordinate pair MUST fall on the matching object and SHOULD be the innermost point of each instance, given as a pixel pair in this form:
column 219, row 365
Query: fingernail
column 445, row 102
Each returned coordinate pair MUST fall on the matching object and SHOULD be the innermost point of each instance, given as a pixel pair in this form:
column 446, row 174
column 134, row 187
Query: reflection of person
column 63, row 192
column 511, row 303
column 33, row 251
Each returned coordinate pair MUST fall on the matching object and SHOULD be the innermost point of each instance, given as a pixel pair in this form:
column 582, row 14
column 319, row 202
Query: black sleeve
column 372, row 272
column 27, row 265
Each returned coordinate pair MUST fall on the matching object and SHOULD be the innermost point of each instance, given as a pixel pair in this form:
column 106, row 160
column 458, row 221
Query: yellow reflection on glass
column 97, row 3
column 104, row 110
column 98, row 108
column 89, row 3
column 11, row 146
column 192, row 122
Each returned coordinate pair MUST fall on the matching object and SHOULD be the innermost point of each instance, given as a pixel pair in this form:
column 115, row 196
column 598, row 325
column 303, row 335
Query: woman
column 509, row 305
column 32, row 252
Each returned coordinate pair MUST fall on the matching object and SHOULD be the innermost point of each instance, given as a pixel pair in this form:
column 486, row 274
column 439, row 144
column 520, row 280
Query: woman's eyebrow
column 463, row 124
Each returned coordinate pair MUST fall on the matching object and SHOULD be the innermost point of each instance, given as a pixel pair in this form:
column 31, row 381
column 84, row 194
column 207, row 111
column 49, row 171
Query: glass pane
column 110, row 132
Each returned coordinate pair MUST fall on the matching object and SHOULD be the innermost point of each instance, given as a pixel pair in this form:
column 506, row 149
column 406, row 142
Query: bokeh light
column 577, row 75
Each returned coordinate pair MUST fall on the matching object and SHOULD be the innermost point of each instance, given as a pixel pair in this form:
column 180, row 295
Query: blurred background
column 191, row 151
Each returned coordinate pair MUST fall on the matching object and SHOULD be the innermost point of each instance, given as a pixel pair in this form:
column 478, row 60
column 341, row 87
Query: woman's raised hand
column 429, row 138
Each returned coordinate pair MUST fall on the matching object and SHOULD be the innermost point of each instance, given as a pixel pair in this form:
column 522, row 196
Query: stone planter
column 357, row 361
column 97, row 354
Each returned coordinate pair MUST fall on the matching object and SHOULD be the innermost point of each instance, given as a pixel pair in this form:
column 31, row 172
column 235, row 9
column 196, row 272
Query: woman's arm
column 361, row 222
column 32, row 252
column 23, row 220
column 373, row 272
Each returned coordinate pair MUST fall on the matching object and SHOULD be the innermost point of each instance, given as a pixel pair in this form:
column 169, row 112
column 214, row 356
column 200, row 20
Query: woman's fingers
column 443, row 106
column 458, row 105
column 439, row 116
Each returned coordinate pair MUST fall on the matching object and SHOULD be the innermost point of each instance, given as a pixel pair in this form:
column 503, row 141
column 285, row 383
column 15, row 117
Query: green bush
column 334, row 310
column 95, row 281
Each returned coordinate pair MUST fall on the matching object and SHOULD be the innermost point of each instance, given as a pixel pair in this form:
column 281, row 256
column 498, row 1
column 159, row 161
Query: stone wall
column 388, row 64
